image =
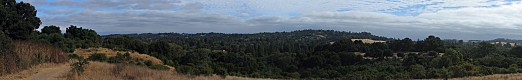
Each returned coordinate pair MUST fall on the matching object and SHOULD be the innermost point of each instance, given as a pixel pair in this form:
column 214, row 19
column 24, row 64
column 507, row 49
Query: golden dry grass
column 105, row 71
column 493, row 77
column 110, row 53
column 26, row 54
column 25, row 74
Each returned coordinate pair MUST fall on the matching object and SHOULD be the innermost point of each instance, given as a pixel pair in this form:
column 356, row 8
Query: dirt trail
column 50, row 73
column 41, row 72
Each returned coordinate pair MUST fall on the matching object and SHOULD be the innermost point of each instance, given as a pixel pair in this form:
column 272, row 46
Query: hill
column 105, row 71
column 111, row 53
column 299, row 35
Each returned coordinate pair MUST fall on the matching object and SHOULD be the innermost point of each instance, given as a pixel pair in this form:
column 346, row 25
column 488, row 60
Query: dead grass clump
column 34, row 52
column 111, row 53
column 493, row 77
column 106, row 71
column 27, row 54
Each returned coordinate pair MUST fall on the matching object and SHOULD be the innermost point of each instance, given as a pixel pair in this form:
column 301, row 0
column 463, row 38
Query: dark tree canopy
column 51, row 29
column 431, row 43
column 18, row 19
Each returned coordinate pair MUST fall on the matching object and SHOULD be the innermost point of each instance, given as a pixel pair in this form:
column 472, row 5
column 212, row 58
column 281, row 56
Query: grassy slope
column 493, row 77
column 106, row 71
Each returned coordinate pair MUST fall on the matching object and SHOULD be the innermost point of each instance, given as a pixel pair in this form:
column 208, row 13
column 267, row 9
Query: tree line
column 302, row 54
column 283, row 55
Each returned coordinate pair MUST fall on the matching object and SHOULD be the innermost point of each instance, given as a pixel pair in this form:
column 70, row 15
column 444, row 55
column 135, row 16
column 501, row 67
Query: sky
column 416, row 19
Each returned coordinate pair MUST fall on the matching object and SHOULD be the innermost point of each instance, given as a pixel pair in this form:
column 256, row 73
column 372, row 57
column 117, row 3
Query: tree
column 516, row 51
column 8, row 57
column 98, row 57
column 18, row 19
column 431, row 43
column 82, row 38
column 379, row 50
column 51, row 29
column 483, row 49
column 165, row 50
column 417, row 71
column 403, row 45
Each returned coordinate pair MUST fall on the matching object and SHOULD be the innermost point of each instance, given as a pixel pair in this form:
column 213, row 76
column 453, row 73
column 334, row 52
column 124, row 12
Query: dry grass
column 27, row 54
column 31, row 71
column 105, row 71
column 110, row 53
column 493, row 77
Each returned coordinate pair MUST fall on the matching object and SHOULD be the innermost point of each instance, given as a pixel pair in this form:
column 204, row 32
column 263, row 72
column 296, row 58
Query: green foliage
column 303, row 55
column 196, row 69
column 462, row 70
column 126, row 43
column 82, row 38
column 403, row 45
column 159, row 67
column 165, row 50
column 516, row 51
column 40, row 58
column 120, row 58
column 79, row 66
column 484, row 49
column 18, row 19
column 98, row 57
column 418, row 71
column 431, row 43
column 74, row 56
column 51, row 30
column 7, row 47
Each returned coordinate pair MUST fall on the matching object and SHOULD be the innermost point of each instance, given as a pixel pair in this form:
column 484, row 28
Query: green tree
column 417, row 71
column 82, row 38
column 18, row 19
column 51, row 29
column 483, row 49
column 165, row 50
column 516, row 51
column 98, row 57
column 431, row 43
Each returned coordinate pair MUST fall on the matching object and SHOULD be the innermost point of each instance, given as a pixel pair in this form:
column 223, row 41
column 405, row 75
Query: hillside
column 105, row 71
column 111, row 53
column 517, row 76
column 204, row 40
column 298, row 35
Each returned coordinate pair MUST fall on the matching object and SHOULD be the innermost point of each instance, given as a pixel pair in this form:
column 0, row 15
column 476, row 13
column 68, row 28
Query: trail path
column 40, row 72
column 51, row 73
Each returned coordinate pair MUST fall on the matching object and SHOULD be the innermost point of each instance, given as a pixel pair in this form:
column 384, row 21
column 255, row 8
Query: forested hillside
column 302, row 54
column 323, row 54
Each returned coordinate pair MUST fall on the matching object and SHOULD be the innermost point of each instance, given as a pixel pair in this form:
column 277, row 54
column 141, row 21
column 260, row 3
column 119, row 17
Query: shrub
column 120, row 58
column 8, row 59
column 159, row 67
column 98, row 57
column 74, row 56
column 79, row 67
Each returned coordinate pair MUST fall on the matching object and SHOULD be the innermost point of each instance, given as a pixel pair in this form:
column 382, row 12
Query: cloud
column 466, row 21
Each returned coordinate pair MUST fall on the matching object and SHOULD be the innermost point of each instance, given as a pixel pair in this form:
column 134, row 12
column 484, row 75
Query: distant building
column 369, row 41
column 475, row 41
column 505, row 44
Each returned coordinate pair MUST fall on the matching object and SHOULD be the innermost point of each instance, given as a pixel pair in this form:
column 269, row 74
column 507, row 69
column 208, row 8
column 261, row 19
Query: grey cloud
column 465, row 23
column 59, row 11
column 377, row 23
column 121, row 4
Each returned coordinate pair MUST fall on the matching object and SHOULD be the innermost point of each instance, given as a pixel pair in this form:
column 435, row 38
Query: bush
column 79, row 67
column 159, row 67
column 74, row 56
column 98, row 57
column 120, row 58
column 8, row 58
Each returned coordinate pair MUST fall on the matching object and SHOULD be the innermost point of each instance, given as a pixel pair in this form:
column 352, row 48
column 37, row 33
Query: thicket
column 309, row 57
